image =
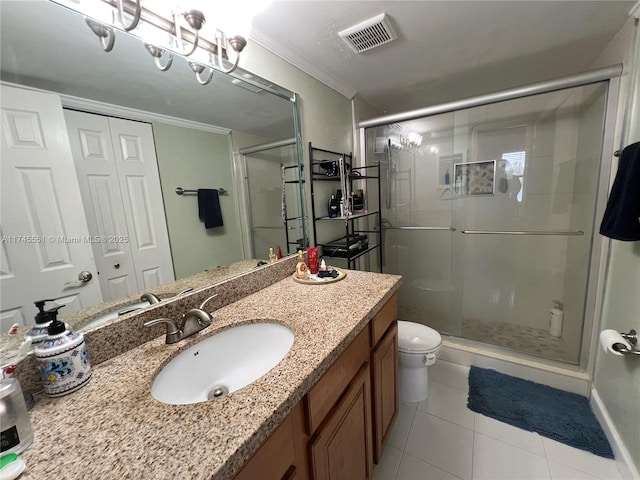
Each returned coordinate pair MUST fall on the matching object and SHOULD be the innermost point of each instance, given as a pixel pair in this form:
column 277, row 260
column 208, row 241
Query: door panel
column 98, row 178
column 139, row 180
column 118, row 175
column 44, row 232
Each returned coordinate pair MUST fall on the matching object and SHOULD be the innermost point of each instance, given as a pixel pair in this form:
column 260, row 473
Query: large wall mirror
column 98, row 170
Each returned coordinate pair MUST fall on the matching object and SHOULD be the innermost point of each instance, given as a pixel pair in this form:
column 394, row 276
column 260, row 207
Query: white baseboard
column 623, row 457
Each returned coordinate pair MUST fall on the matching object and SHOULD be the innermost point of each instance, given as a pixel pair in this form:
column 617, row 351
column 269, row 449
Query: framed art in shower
column 474, row 178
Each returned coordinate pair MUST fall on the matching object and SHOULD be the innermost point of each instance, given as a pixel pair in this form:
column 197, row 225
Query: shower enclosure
column 273, row 191
column 489, row 214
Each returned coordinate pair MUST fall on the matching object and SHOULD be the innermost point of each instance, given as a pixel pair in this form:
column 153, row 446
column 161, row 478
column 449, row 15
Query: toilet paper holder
column 632, row 338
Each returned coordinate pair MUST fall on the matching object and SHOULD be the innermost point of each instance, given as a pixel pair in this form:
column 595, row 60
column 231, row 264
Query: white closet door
column 45, row 239
column 95, row 162
column 137, row 168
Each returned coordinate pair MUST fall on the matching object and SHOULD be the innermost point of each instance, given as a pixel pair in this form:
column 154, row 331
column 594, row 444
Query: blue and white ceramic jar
column 63, row 361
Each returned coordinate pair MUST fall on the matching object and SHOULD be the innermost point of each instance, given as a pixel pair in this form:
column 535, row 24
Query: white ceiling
column 446, row 50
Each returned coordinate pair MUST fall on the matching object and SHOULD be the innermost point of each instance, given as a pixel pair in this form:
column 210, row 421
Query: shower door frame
column 247, row 220
column 600, row 245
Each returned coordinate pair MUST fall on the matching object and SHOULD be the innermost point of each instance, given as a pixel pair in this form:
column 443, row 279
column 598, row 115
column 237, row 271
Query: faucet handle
column 173, row 333
column 203, row 317
column 207, row 301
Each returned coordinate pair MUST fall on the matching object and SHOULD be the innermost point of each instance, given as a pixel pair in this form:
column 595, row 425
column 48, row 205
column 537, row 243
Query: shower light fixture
column 415, row 139
column 165, row 31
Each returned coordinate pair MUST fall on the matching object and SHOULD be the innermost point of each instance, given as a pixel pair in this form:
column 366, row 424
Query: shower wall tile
column 542, row 211
column 544, row 137
column 548, row 174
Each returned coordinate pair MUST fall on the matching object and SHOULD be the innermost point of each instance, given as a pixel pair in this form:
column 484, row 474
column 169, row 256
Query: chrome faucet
column 183, row 292
column 194, row 320
column 152, row 298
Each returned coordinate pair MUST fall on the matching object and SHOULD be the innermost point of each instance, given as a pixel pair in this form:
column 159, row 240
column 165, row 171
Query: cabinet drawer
column 323, row 396
column 385, row 317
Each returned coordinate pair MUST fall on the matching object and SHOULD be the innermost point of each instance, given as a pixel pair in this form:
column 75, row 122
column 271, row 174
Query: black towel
column 621, row 218
column 209, row 208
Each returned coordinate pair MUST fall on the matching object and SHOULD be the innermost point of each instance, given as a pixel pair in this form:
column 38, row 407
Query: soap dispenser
column 43, row 319
column 62, row 359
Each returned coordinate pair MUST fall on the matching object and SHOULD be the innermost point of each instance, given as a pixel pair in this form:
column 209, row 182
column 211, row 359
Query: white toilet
column 419, row 347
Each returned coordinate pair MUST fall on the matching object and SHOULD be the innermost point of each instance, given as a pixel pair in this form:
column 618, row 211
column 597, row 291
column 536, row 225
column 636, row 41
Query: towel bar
column 182, row 191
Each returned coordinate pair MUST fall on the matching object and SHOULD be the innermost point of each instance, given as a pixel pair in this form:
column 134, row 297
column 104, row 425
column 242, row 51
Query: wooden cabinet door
column 282, row 456
column 342, row 448
column 384, row 365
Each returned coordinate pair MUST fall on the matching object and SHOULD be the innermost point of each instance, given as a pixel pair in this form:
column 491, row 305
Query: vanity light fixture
column 156, row 53
column 198, row 69
column 105, row 34
column 164, row 32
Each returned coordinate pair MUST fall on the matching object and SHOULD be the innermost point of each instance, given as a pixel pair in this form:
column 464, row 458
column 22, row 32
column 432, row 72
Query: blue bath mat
column 562, row 416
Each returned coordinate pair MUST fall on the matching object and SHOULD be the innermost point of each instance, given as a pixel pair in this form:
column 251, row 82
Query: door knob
column 83, row 277
column 116, row 266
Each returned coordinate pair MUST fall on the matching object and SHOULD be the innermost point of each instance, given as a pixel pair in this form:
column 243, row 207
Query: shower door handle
column 452, row 229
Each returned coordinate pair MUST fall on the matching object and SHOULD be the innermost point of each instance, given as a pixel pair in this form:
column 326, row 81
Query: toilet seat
column 416, row 338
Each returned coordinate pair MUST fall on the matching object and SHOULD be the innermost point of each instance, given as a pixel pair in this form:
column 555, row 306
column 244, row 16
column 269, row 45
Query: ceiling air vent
column 369, row 34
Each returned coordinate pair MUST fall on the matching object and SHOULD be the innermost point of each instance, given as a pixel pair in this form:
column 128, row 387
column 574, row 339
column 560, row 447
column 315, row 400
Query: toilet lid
column 414, row 337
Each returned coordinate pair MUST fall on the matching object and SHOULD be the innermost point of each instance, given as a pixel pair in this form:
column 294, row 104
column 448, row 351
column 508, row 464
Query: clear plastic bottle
column 17, row 433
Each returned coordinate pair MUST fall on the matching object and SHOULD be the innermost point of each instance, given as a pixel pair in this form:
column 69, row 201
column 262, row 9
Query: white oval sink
column 222, row 364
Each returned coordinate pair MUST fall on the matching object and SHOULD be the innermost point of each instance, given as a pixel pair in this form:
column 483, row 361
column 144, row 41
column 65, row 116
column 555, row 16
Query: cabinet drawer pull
column 290, row 474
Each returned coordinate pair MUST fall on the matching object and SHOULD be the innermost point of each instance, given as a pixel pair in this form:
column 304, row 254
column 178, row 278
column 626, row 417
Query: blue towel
column 621, row 218
column 209, row 208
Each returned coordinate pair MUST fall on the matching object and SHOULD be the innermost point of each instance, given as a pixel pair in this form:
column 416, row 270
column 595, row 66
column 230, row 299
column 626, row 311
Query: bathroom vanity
column 325, row 411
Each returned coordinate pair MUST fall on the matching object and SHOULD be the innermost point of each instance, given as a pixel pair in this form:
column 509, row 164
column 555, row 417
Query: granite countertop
column 114, row 428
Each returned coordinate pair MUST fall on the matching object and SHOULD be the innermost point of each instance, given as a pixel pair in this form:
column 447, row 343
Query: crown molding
column 294, row 58
column 94, row 106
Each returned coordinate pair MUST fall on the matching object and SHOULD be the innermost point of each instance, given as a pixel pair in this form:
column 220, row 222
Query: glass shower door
column 417, row 202
column 273, row 193
column 489, row 212
column 524, row 209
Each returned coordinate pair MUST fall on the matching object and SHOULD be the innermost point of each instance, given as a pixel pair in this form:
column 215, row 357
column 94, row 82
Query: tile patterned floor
column 441, row 439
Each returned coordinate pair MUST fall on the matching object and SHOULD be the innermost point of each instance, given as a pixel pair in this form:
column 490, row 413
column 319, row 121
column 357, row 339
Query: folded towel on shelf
column 621, row 220
column 209, row 207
